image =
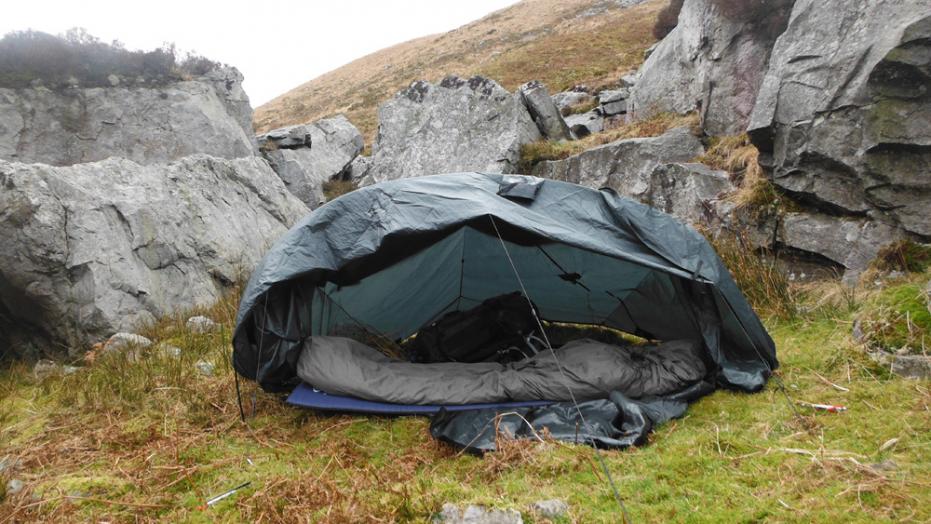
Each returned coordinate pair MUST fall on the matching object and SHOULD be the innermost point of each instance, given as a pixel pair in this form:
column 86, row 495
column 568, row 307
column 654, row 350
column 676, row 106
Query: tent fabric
column 306, row 396
column 590, row 370
column 615, row 422
column 390, row 257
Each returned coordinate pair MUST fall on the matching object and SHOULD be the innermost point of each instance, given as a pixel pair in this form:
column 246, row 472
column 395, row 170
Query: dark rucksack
column 496, row 329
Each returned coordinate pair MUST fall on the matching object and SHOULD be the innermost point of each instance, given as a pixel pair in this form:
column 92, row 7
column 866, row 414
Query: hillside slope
column 561, row 42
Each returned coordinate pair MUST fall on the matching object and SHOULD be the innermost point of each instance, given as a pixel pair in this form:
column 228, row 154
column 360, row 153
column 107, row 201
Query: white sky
column 277, row 45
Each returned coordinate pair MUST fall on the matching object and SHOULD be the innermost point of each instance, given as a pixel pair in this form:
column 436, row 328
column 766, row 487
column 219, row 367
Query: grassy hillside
column 561, row 42
column 153, row 439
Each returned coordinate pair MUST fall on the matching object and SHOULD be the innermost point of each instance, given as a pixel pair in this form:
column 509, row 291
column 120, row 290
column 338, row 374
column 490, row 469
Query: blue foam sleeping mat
column 307, row 397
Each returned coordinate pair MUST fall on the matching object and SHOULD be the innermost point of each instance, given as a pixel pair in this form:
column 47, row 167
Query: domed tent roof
column 393, row 256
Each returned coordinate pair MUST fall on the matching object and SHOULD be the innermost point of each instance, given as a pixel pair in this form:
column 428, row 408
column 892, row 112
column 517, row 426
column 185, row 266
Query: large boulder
column 714, row 60
column 584, row 124
column 850, row 243
column 684, row 190
column 97, row 248
column 566, row 100
column 653, row 170
column 544, row 111
column 152, row 124
column 613, row 101
column 843, row 119
column 623, row 165
column 458, row 125
column 308, row 155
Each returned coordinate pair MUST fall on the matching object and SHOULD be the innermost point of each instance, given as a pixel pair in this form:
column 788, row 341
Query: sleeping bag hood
column 391, row 257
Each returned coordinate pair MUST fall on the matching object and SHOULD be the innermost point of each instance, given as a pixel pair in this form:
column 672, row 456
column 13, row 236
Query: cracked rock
column 472, row 514
column 101, row 248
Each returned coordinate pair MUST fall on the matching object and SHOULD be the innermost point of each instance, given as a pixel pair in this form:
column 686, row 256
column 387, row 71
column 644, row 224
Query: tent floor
column 308, row 397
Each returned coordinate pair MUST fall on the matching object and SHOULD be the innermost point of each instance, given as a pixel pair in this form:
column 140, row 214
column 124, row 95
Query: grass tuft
column 336, row 188
column 758, row 276
column 898, row 319
column 903, row 255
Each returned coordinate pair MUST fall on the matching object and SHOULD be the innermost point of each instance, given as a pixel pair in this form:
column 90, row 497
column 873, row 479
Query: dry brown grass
column 154, row 452
column 758, row 276
column 581, row 107
column 337, row 188
column 740, row 158
column 548, row 40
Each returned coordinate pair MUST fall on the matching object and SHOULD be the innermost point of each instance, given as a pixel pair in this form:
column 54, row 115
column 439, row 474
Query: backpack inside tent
column 406, row 297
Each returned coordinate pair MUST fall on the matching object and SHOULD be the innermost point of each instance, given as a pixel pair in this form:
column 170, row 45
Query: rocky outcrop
column 96, row 248
column 623, row 165
column 652, row 170
column 584, row 124
column 151, row 124
column 544, row 111
column 458, row 125
column 306, row 156
column 714, row 60
column 686, row 191
column 849, row 243
column 565, row 100
column 359, row 168
column 613, row 102
column 843, row 118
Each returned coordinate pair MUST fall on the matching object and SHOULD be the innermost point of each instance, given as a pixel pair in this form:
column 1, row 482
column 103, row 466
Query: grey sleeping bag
column 343, row 366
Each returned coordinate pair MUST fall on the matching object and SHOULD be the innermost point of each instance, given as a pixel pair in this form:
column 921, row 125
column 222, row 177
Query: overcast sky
column 277, row 45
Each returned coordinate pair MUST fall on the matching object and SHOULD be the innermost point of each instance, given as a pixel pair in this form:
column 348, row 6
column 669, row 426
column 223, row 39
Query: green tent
column 393, row 256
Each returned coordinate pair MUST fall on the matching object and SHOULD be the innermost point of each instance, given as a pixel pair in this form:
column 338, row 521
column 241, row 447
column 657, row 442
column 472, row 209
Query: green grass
column 152, row 440
column 898, row 318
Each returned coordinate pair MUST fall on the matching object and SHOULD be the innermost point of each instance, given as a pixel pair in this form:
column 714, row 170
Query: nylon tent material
column 393, row 256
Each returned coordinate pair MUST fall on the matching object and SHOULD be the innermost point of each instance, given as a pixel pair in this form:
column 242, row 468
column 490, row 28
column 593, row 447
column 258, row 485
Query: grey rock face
column 14, row 486
column 359, row 168
column 646, row 169
column 843, row 119
column 614, row 102
column 45, row 368
column 567, row 99
column 121, row 341
column 209, row 115
column 623, row 165
column 291, row 137
column 849, row 242
column 544, row 111
column 551, row 509
column 912, row 366
column 686, row 191
column 471, row 514
column 712, row 60
column 908, row 366
column 204, row 368
column 584, row 124
column 306, row 156
column 96, row 248
column 458, row 125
